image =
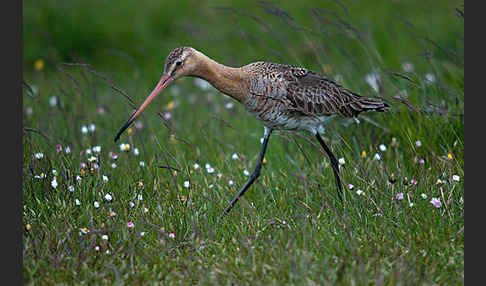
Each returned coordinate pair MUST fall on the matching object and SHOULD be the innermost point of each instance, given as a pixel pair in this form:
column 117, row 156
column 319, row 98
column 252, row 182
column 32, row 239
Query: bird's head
column 180, row 62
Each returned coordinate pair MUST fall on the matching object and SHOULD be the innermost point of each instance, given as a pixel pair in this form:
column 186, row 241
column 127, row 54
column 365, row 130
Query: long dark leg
column 334, row 164
column 256, row 172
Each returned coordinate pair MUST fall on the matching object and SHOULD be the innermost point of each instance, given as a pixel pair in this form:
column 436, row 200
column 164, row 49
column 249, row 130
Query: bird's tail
column 370, row 104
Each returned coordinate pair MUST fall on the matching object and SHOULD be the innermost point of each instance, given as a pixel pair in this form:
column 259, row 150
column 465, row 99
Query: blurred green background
column 116, row 36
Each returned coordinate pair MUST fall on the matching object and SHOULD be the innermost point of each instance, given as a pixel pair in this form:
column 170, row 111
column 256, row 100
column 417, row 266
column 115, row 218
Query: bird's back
column 306, row 92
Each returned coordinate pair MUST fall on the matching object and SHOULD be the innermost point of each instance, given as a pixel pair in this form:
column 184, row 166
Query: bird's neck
column 227, row 80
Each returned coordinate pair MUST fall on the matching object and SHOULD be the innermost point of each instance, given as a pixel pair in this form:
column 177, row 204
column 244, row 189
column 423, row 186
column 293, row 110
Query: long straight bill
column 163, row 83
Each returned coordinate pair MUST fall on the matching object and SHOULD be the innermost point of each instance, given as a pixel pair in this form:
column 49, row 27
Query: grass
column 290, row 227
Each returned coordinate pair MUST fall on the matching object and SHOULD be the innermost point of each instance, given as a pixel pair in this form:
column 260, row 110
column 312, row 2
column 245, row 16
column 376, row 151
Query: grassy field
column 148, row 209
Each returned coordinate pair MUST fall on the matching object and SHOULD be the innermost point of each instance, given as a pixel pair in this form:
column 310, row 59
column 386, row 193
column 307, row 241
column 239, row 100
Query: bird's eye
column 178, row 63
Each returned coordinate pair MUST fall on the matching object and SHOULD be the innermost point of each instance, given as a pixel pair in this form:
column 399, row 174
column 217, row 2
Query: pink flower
column 350, row 186
column 418, row 143
column 130, row 224
column 58, row 148
column 436, row 202
column 399, row 196
column 131, row 204
column 422, row 161
column 413, row 181
column 171, row 235
column 139, row 125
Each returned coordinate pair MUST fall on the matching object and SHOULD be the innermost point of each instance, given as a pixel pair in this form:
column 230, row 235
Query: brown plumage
column 282, row 97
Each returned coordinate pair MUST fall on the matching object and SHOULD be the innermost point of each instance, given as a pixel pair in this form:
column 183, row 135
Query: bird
column 280, row 96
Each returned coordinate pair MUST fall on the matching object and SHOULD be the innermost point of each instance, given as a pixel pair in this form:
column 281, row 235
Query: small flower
column 171, row 235
column 39, row 65
column 211, row 186
column 54, row 172
column 92, row 159
column 410, row 205
column 78, row 178
column 113, row 165
column 399, row 196
column 97, row 248
column 39, row 155
column 97, row 149
column 88, row 151
column 77, row 202
column 107, row 251
column 108, row 197
column 246, row 173
column 41, row 176
column 363, row 154
column 96, row 204
column 210, row 170
column 130, row 224
column 456, row 178
column 125, row 147
column 449, row 156
column 230, row 182
column 167, row 115
column 84, row 230
column 29, row 110
column 234, row 156
column 139, row 125
column 429, row 78
column 140, row 197
column 71, row 188
column 112, row 214
column 113, row 155
column 382, row 147
column 92, row 127
column 413, row 181
column 145, row 210
column 141, row 164
column 54, row 183
column 58, row 148
column 350, row 186
column 439, row 181
column 131, row 204
column 418, row 143
column 424, row 196
column 377, row 157
column 359, row 192
column 67, row 150
column 104, row 237
column 100, row 110
column 105, row 178
column 53, row 101
column 436, row 202
column 142, row 233
column 422, row 161
column 261, row 140
column 341, row 161
column 28, row 226
column 219, row 175
column 187, row 184
column 170, row 105
column 84, row 129
column 136, row 152
column 229, row 105
column 196, row 166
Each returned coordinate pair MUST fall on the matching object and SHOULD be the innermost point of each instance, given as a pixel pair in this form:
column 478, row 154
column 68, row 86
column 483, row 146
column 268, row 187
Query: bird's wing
column 308, row 92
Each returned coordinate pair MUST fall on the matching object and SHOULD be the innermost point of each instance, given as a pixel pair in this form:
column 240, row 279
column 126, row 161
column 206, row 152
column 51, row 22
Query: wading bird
column 282, row 97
